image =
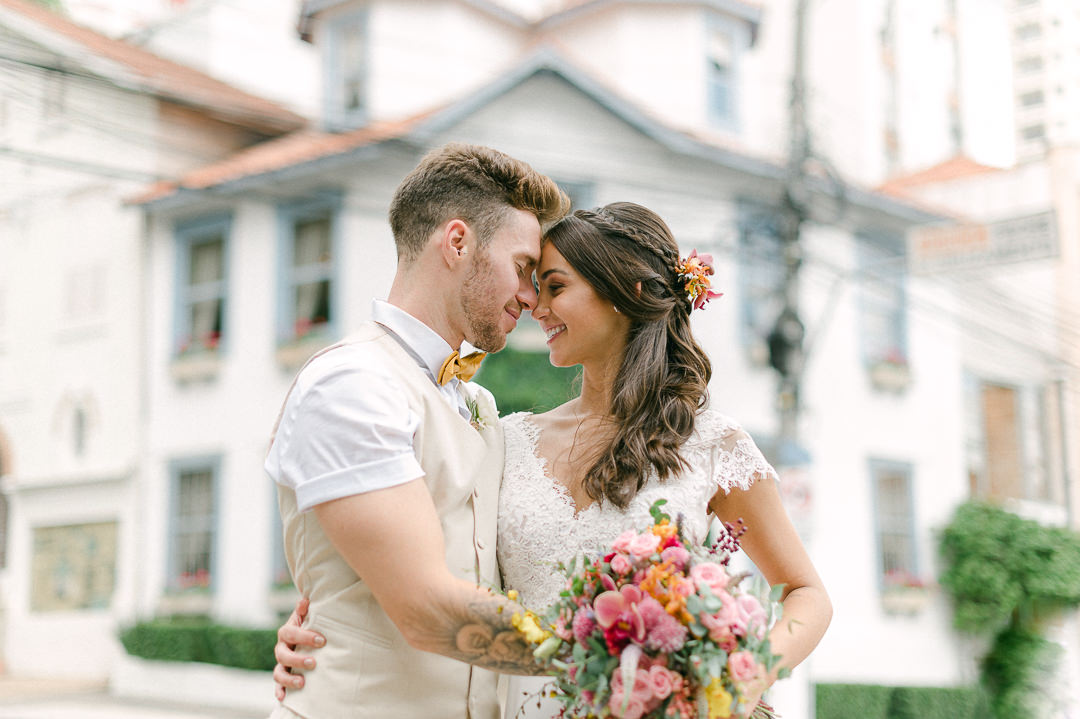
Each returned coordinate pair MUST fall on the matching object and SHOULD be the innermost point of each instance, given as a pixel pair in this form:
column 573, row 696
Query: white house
column 85, row 122
column 1011, row 258
column 297, row 232
column 251, row 261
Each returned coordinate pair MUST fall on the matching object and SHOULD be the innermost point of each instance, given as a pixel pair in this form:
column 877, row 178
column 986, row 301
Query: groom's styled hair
column 473, row 183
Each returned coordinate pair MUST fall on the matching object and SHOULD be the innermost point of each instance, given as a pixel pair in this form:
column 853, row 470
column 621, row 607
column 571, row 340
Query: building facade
column 87, row 121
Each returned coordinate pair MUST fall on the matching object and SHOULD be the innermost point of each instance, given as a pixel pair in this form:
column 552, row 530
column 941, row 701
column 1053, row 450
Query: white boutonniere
column 482, row 410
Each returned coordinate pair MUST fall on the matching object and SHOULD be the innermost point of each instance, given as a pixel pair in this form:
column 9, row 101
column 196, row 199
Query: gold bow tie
column 461, row 367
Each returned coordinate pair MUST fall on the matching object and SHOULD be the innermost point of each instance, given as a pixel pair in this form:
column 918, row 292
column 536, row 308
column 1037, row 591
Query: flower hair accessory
column 693, row 272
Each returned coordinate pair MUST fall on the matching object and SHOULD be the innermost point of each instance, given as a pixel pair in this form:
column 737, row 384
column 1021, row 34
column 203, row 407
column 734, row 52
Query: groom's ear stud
column 463, row 252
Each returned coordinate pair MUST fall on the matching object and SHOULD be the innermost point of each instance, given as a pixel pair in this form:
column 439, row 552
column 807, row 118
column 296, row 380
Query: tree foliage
column 1006, row 575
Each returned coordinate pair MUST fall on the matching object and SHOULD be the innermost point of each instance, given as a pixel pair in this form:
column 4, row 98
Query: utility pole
column 786, row 339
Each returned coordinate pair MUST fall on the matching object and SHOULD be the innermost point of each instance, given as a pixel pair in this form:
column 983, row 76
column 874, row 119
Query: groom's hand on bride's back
column 292, row 635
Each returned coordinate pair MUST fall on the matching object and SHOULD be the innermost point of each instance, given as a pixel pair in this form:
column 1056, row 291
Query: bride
column 614, row 297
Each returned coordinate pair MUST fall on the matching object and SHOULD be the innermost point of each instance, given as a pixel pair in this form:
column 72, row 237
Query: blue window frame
column 724, row 41
column 761, row 277
column 882, row 302
column 580, row 192
column 894, row 522
column 201, row 285
column 308, row 248
column 193, row 531
column 345, row 71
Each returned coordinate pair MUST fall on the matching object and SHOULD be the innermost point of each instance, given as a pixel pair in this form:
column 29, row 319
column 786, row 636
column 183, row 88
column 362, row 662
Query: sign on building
column 963, row 246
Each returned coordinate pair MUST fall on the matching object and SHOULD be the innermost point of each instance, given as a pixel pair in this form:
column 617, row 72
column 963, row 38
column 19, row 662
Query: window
column 1034, row 132
column 201, row 286
column 1031, row 99
column 308, row 232
column 761, row 278
column 720, row 76
column 346, row 72
column 894, row 517
column 1030, row 64
column 192, row 525
column 73, row 567
column 1015, row 441
column 581, row 194
column 78, row 432
column 1028, row 31
column 882, row 304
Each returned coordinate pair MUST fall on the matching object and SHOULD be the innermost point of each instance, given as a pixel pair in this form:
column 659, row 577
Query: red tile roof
column 952, row 169
column 280, row 153
column 165, row 78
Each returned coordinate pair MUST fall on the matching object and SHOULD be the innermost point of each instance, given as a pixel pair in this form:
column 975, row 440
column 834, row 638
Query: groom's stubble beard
column 478, row 301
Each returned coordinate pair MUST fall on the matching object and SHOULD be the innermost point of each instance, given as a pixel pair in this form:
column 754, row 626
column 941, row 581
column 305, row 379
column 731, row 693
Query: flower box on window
column 904, row 594
column 294, row 353
column 890, row 373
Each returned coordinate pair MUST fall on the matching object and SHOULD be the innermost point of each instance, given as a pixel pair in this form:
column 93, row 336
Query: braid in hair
column 662, row 381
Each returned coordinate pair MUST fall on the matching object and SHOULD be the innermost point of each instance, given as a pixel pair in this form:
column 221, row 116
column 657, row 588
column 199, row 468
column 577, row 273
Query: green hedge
column 526, row 382
column 197, row 639
column 871, row 701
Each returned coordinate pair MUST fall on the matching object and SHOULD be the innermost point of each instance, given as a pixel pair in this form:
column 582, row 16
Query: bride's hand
column 290, row 636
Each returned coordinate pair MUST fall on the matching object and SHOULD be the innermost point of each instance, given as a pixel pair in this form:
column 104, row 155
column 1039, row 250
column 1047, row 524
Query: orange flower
column 665, row 529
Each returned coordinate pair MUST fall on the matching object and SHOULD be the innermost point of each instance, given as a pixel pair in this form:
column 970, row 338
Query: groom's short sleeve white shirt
column 346, row 427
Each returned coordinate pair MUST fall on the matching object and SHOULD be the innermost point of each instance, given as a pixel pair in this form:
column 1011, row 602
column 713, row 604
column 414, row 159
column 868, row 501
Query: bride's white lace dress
column 538, row 525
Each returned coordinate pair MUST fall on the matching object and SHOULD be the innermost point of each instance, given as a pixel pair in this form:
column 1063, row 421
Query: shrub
column 871, row 701
column 197, row 639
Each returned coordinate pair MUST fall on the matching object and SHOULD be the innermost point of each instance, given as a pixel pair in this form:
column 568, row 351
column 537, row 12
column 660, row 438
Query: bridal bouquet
column 654, row 627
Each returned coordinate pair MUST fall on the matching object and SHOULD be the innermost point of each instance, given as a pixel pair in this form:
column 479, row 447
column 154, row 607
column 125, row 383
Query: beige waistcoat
column 366, row 668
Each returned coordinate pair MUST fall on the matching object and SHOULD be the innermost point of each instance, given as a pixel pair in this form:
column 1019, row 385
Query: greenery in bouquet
column 655, row 627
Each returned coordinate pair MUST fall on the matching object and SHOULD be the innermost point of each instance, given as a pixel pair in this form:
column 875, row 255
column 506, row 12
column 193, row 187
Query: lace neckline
column 561, row 491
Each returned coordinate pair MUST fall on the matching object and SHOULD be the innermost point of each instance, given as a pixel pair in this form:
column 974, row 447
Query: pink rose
column 721, row 623
column 677, row 556
column 743, row 667
column 622, row 542
column 640, row 695
column 644, row 545
column 751, row 616
column 710, row 575
column 620, row 564
column 660, row 680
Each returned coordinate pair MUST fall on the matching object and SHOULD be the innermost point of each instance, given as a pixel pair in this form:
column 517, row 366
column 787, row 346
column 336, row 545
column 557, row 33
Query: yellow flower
column 528, row 625
column 719, row 700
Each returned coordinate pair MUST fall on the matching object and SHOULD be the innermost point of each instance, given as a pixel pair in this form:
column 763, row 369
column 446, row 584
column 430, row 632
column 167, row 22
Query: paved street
column 59, row 699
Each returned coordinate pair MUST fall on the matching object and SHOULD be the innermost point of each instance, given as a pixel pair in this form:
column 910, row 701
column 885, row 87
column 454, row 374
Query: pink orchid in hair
column 694, row 272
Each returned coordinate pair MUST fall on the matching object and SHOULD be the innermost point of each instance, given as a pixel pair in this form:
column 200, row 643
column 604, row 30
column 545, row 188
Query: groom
column 388, row 466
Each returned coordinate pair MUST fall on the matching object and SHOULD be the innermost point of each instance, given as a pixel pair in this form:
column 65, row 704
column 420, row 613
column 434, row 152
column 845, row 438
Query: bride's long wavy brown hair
column 662, row 381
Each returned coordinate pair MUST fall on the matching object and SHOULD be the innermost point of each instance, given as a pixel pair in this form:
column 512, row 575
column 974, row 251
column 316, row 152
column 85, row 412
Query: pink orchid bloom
column 618, row 615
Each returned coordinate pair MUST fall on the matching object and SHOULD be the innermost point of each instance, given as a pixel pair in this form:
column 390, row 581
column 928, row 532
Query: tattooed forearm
column 478, row 630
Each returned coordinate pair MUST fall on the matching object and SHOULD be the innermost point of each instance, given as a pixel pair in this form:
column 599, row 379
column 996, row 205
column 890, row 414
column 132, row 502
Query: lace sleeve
column 736, row 459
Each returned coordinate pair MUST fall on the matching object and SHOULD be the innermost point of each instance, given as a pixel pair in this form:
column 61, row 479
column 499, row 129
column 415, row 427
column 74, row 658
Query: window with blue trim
column 202, row 287
column 307, row 276
column 894, row 518
column 720, row 75
column 345, row 71
column 581, row 193
column 761, row 278
column 192, row 525
column 882, row 304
